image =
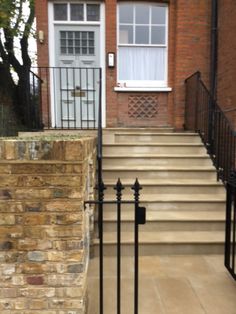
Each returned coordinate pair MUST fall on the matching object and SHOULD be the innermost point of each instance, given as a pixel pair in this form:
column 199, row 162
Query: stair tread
column 153, row 144
column 138, row 129
column 169, row 216
column 168, row 182
column 146, row 155
column 171, row 237
column 159, row 168
column 157, row 134
column 176, row 197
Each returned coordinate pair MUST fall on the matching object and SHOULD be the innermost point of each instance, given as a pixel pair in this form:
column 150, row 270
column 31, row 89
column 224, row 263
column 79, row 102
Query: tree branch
column 9, row 46
column 24, row 40
column 18, row 20
column 3, row 52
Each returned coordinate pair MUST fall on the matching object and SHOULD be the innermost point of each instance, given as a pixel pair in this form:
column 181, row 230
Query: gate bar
column 136, row 187
column 119, row 187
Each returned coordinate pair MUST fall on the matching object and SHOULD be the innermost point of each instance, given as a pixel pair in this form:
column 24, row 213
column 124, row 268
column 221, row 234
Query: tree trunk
column 9, row 122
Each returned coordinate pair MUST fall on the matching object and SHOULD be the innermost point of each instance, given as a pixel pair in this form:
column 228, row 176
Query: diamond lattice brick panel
column 142, row 107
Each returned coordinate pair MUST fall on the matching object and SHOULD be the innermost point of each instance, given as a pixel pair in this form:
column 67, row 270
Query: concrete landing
column 168, row 285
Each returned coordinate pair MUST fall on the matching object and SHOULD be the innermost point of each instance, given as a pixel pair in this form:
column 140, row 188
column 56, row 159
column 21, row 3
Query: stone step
column 135, row 137
column 174, row 202
column 155, row 172
column 167, row 221
column 156, row 160
column 165, row 187
column 164, row 242
column 138, row 130
column 146, row 149
column 110, row 133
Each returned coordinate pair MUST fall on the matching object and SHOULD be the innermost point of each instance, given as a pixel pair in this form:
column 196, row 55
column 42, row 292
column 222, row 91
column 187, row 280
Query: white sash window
column 142, row 45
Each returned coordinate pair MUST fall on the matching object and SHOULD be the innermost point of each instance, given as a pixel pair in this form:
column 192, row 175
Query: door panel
column 77, row 80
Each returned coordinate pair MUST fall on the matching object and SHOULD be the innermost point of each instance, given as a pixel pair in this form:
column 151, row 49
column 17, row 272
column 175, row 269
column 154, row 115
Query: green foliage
column 12, row 15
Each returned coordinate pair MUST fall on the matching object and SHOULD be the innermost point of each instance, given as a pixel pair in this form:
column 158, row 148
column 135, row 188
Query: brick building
column 226, row 76
column 146, row 50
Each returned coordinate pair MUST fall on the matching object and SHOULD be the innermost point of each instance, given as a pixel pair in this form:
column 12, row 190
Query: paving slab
column 179, row 284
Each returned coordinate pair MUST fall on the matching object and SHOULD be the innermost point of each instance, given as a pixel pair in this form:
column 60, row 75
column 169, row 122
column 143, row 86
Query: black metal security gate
column 139, row 218
column 230, row 243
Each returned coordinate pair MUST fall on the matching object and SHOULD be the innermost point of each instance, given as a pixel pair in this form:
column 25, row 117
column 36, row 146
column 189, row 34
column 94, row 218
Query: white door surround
column 99, row 27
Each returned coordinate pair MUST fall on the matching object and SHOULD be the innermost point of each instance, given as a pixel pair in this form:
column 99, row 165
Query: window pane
column 63, row 42
column 70, row 50
column 93, row 12
column 158, row 35
column 77, row 35
column 91, row 35
column 91, row 51
column 70, row 35
column 60, row 12
column 70, row 42
column 77, row 12
column 84, row 35
column 77, row 50
column 142, row 63
column 142, row 35
column 126, row 34
column 158, row 15
column 126, row 12
column 142, row 14
column 63, row 34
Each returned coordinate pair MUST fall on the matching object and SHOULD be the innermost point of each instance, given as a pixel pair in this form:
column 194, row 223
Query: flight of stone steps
column 185, row 203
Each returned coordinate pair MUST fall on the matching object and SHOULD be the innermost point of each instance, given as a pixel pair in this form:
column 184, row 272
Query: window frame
column 143, row 83
column 85, row 20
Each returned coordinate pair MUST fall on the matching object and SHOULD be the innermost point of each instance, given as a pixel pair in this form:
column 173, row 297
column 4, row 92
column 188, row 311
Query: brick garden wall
column 43, row 226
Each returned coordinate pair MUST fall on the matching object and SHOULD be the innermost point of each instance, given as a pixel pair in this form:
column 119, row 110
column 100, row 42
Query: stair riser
column 164, row 150
column 137, row 130
column 187, row 189
column 170, row 162
column 156, row 138
column 167, row 226
column 162, row 249
column 173, row 206
column 155, row 174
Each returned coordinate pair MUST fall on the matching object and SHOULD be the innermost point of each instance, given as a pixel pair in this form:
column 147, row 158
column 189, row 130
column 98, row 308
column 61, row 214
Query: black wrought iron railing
column 230, row 234
column 203, row 115
column 33, row 111
column 70, row 97
column 24, row 114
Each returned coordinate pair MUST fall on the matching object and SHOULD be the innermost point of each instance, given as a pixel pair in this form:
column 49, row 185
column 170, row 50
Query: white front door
column 76, row 76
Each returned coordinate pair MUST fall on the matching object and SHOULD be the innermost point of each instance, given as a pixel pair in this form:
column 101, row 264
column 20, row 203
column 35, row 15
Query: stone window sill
column 143, row 89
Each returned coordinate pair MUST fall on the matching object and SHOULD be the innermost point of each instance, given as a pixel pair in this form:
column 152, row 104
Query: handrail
column 203, row 115
column 99, row 141
column 38, row 77
column 197, row 73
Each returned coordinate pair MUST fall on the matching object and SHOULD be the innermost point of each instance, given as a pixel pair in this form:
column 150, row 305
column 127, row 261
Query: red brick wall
column 188, row 51
column 41, row 9
column 192, row 50
column 226, row 91
column 111, row 96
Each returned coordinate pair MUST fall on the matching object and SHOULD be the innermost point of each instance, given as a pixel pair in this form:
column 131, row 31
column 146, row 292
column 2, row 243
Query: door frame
column 52, row 52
